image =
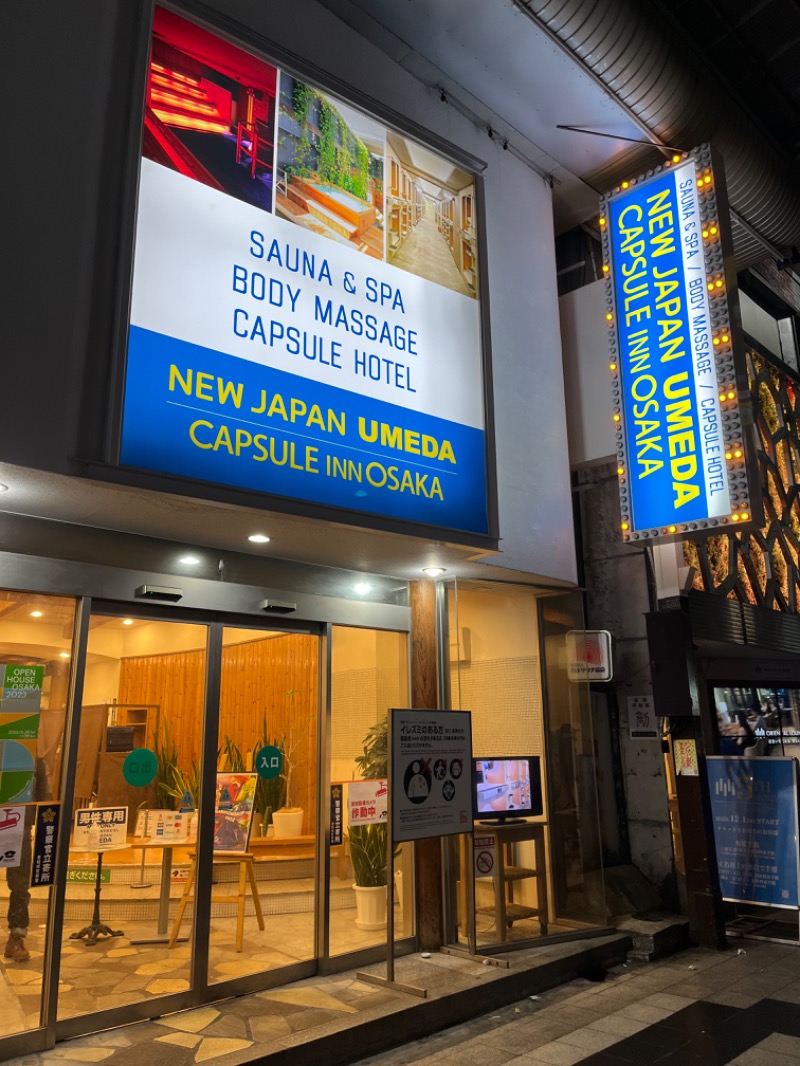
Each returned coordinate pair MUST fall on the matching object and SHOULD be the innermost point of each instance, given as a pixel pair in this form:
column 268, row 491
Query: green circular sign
column 140, row 767
column 269, row 762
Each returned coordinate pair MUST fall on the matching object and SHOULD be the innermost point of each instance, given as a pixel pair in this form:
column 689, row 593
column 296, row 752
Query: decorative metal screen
column 761, row 566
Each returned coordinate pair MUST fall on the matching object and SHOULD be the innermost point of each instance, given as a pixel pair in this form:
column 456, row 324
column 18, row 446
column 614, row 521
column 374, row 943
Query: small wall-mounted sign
column 642, row 721
column 589, row 655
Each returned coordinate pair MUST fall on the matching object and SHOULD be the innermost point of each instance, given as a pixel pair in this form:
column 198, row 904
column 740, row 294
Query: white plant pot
column 288, row 823
column 370, row 907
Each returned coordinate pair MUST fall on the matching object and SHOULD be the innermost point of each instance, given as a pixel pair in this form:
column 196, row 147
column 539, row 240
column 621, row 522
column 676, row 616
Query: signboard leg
column 388, row 980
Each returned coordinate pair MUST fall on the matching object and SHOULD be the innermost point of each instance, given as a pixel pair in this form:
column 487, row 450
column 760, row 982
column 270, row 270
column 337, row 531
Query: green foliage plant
column 302, row 95
column 327, row 143
column 170, row 784
column 368, row 842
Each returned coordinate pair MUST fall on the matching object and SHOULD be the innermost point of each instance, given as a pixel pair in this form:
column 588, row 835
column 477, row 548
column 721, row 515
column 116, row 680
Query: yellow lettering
column 203, row 382
column 193, row 427
column 175, row 375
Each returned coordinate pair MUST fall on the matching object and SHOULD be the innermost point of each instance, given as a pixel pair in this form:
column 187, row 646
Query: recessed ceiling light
column 258, row 538
column 3, row 488
column 189, row 560
column 127, row 621
column 433, row 571
column 64, row 654
column 36, row 614
column 362, row 587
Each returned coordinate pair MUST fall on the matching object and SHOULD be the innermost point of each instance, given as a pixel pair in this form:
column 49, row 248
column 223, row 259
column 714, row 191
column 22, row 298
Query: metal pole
column 69, row 761
column 389, row 854
column 371, row 978
column 472, row 933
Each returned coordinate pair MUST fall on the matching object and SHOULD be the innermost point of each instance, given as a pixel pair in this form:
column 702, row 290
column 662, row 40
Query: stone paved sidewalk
column 699, row 1008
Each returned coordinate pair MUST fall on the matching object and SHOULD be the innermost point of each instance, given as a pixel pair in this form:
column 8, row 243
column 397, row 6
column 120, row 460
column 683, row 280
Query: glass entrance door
column 190, row 830
column 264, row 892
column 134, row 825
column 160, row 902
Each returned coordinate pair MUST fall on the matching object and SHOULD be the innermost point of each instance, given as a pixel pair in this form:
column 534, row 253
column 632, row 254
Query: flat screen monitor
column 758, row 720
column 507, row 789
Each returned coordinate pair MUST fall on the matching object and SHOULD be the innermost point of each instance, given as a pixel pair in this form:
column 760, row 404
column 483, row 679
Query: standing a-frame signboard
column 430, row 761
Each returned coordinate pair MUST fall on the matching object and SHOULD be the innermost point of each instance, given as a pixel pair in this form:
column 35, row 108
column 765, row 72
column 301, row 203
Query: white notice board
column 431, row 773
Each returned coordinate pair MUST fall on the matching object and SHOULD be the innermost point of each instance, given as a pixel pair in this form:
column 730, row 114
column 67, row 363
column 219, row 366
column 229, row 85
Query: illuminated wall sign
column 305, row 319
column 680, row 443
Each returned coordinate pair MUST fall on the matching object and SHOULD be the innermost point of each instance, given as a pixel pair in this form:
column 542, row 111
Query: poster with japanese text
column 431, row 773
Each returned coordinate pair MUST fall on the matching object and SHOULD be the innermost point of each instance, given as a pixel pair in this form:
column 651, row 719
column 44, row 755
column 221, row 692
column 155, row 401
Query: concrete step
column 655, row 935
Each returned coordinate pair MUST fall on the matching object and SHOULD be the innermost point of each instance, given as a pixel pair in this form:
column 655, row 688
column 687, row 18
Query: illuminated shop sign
column 305, row 319
column 680, row 434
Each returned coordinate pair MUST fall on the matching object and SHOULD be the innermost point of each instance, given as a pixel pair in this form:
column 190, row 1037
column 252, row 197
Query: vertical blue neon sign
column 670, row 395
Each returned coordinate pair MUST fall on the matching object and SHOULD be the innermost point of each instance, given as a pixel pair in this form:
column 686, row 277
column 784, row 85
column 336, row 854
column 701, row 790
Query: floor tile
column 590, row 1039
column 554, row 1054
column 619, row 1026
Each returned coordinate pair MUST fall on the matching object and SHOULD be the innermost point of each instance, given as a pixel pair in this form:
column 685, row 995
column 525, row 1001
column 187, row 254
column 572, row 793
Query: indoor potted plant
column 368, row 842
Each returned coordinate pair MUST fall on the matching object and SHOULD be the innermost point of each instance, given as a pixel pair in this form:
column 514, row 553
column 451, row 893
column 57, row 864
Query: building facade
column 197, row 586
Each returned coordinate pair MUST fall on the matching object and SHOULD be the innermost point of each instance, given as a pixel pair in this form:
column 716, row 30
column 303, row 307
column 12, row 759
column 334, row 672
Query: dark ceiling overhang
column 680, row 98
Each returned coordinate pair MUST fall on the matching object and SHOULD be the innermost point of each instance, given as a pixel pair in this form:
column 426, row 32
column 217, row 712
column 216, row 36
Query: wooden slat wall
column 257, row 677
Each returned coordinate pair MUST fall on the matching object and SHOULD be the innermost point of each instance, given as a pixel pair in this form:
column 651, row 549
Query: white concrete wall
column 586, row 376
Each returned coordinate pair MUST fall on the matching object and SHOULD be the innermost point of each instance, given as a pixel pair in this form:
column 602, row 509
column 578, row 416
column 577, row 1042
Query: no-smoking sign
column 485, row 847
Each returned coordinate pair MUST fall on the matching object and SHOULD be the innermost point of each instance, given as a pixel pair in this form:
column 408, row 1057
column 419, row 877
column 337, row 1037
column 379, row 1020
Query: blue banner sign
column 668, row 318
column 754, row 812
column 206, row 415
